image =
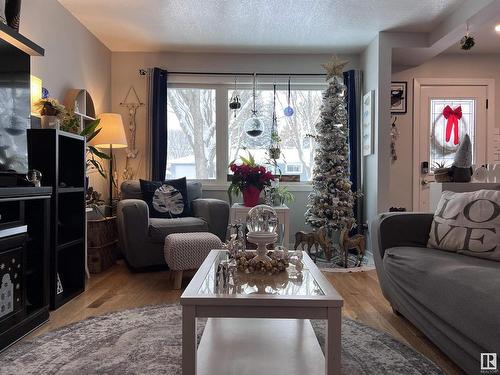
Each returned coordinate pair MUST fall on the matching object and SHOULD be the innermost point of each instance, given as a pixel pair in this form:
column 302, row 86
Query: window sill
column 291, row 186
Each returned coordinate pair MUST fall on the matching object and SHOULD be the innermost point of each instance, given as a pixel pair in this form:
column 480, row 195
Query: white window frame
column 221, row 130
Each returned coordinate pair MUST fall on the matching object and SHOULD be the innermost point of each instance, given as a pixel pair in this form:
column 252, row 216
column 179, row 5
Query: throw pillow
column 468, row 223
column 167, row 199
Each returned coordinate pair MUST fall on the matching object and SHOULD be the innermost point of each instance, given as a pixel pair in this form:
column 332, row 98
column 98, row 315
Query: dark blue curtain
column 352, row 80
column 158, row 124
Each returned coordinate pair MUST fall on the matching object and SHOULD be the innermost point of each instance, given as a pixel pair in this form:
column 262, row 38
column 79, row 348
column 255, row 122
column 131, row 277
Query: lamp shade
column 36, row 93
column 112, row 132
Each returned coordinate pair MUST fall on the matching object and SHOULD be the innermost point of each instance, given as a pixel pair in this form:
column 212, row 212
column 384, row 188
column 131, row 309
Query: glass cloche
column 262, row 218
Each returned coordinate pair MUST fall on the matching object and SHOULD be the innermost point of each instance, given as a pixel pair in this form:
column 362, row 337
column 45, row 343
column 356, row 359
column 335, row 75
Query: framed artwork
column 367, row 122
column 398, row 97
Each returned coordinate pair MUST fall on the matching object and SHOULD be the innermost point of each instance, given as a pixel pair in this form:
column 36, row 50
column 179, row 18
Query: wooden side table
column 239, row 213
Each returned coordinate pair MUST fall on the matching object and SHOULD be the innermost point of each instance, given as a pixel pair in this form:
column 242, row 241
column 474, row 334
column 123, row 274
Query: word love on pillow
column 468, row 223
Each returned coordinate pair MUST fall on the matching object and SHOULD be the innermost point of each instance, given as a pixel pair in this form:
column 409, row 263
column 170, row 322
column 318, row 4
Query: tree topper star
column 334, row 67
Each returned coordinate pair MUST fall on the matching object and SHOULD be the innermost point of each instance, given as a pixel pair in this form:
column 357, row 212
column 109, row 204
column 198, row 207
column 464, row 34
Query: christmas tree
column 330, row 204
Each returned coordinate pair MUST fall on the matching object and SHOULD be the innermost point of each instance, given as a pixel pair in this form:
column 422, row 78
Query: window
column 297, row 148
column 191, row 134
column 198, row 114
column 294, row 168
column 442, row 152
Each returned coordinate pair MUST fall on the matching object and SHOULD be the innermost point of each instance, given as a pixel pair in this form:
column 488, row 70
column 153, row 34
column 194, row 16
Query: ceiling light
column 497, row 28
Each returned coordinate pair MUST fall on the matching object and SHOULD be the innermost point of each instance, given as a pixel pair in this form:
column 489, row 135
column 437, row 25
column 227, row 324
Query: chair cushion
column 160, row 228
column 460, row 290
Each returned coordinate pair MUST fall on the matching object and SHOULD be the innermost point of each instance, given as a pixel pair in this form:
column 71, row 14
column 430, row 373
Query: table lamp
column 111, row 136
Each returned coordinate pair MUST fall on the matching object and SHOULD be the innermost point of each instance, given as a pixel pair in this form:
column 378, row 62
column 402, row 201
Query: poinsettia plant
column 248, row 174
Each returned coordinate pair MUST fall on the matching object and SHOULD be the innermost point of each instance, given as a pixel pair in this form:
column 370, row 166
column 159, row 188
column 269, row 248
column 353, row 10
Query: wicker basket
column 102, row 244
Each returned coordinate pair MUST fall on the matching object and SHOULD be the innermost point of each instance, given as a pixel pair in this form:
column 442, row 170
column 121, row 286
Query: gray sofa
column 141, row 238
column 453, row 299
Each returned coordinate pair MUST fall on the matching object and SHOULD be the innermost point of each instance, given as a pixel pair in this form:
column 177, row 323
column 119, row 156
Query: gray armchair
column 141, row 238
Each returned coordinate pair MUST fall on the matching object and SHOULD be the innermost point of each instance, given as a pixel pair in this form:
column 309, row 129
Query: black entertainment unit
column 33, row 248
column 24, row 260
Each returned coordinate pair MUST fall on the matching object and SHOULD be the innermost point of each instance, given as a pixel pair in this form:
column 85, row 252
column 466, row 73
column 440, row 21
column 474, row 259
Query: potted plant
column 274, row 149
column 50, row 112
column 441, row 172
column 279, row 195
column 249, row 178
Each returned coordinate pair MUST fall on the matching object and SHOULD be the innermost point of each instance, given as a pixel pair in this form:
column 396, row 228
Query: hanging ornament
column 467, row 42
column 235, row 102
column 288, row 110
column 254, row 126
column 274, row 148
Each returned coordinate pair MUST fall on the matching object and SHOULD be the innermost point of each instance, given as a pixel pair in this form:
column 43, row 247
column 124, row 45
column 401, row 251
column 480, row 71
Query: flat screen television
column 15, row 109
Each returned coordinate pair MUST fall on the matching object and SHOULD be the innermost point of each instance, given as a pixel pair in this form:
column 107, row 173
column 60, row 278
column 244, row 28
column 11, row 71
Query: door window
column 450, row 120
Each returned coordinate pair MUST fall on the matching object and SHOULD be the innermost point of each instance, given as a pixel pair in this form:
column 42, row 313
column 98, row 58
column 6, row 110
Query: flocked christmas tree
column 330, row 205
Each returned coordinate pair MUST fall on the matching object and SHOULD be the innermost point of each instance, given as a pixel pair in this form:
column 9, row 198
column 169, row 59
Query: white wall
column 125, row 68
column 442, row 66
column 375, row 63
column 74, row 58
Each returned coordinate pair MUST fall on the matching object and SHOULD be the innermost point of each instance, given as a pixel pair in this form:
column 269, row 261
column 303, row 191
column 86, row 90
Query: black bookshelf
column 60, row 156
column 24, row 260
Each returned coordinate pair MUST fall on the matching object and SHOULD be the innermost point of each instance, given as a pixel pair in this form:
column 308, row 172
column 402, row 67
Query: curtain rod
column 144, row 72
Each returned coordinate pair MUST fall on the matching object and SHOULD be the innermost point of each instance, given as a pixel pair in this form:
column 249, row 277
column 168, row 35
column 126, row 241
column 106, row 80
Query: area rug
column 147, row 340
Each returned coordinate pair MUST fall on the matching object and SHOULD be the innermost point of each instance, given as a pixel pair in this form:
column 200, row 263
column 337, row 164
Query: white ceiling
column 253, row 26
column 486, row 38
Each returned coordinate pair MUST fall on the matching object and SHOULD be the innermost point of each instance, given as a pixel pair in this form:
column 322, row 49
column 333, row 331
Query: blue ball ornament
column 288, row 111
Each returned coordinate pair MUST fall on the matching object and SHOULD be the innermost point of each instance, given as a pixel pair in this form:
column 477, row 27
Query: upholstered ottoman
column 187, row 251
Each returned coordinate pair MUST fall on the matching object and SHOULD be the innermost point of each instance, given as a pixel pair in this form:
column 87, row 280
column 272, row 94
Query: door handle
column 424, row 182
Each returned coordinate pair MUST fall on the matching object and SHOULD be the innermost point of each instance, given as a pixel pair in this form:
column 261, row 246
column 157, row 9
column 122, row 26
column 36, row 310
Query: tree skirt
column 336, row 264
column 147, row 340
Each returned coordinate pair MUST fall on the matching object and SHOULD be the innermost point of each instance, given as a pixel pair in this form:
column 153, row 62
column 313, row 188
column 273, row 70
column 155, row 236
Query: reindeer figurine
column 347, row 243
column 315, row 239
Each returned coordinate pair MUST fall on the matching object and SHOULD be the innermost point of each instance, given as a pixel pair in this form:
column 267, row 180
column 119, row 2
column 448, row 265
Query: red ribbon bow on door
column 452, row 115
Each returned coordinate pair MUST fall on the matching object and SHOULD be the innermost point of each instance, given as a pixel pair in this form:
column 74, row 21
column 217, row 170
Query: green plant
column 439, row 165
column 69, row 122
column 275, row 138
column 282, row 194
column 90, row 131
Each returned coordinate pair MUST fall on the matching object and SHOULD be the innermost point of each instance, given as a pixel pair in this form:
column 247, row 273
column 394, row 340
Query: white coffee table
column 242, row 342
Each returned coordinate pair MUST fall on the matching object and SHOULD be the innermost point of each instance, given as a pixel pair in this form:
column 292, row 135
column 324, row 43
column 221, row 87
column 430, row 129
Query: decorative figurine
column 358, row 242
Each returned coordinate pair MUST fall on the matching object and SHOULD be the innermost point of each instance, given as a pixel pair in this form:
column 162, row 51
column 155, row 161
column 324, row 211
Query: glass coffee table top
column 287, row 283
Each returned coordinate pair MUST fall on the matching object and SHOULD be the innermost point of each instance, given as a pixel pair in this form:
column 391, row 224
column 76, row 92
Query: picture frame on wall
column 367, row 122
column 399, row 97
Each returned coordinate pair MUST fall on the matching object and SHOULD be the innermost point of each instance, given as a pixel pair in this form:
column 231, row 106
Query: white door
column 439, row 134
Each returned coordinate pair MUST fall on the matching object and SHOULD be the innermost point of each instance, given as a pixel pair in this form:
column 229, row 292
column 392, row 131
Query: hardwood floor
column 118, row 289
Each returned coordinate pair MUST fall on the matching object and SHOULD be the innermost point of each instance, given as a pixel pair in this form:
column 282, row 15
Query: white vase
column 50, row 122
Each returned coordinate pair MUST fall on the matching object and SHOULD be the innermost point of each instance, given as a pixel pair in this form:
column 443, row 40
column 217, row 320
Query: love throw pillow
column 468, row 223
column 167, row 199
